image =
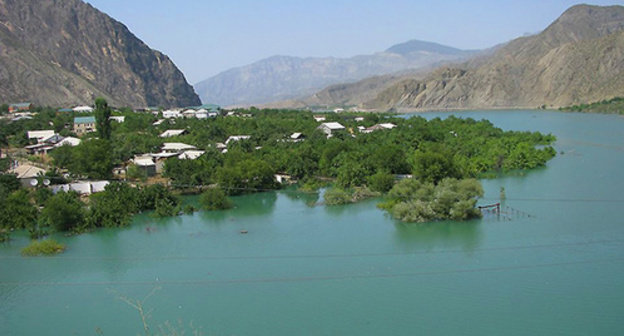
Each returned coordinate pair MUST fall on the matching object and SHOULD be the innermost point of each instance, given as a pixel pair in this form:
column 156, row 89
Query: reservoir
column 552, row 263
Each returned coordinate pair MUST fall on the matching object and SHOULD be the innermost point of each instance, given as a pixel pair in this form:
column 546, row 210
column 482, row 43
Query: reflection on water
column 428, row 236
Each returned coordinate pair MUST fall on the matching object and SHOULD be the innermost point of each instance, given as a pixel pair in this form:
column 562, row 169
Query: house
column 297, row 137
column 83, row 109
column 81, row 187
column 83, row 125
column 160, row 158
column 27, row 174
column 146, row 164
column 330, row 128
column 69, row 141
column 338, row 110
column 158, row 122
column 168, row 114
column 189, row 113
column 20, row 107
column 119, row 119
column 359, row 119
column 172, row 133
column 319, row 118
column 64, row 110
column 176, row 147
column 379, row 127
column 237, row 138
column 40, row 135
column 191, row 154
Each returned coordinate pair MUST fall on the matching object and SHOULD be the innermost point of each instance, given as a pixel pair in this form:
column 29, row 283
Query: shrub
column 215, row 199
column 43, row 247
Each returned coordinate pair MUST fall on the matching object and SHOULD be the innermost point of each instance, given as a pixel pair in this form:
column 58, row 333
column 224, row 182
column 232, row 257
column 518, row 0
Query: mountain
column 578, row 58
column 284, row 77
column 65, row 52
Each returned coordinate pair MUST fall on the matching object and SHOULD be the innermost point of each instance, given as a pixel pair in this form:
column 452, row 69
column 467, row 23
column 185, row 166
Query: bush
column 63, row 212
column 43, row 247
column 337, row 196
column 215, row 199
column 416, row 201
column 381, row 181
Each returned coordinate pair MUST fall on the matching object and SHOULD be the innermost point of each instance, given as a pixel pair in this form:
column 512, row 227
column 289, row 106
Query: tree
column 432, row 166
column 92, row 158
column 63, row 212
column 214, row 199
column 17, row 211
column 102, row 118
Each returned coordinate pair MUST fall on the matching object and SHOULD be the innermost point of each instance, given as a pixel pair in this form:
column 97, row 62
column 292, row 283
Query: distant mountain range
column 579, row 58
column 65, row 52
column 285, row 77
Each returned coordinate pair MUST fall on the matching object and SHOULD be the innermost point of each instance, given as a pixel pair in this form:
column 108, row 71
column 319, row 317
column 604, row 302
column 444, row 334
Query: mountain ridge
column 282, row 77
column 577, row 58
column 66, row 52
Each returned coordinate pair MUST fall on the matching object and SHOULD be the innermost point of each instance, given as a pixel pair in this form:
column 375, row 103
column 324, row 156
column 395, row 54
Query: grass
column 43, row 247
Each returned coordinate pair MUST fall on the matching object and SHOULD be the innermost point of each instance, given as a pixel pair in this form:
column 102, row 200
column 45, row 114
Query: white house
column 172, row 133
column 176, row 147
column 297, row 137
column 83, row 109
column 379, row 127
column 330, row 127
column 237, row 138
column 171, row 114
column 40, row 135
column 81, row 187
column 191, row 154
column 319, row 118
column 70, row 141
column 119, row 119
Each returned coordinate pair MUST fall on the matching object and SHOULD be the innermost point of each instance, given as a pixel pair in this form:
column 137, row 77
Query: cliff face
column 65, row 52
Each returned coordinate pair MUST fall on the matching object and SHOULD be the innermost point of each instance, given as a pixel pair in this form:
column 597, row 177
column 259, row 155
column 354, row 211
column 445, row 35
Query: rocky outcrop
column 65, row 52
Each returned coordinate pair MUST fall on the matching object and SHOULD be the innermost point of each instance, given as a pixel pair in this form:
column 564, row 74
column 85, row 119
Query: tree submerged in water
column 412, row 200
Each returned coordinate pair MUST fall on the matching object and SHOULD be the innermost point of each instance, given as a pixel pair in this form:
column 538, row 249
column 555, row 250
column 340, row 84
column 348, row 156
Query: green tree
column 92, row 158
column 63, row 212
column 17, row 211
column 102, row 118
column 215, row 199
column 433, row 166
column 62, row 156
column 381, row 181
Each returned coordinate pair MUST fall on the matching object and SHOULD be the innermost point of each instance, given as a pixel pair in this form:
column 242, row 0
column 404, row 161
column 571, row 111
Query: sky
column 204, row 38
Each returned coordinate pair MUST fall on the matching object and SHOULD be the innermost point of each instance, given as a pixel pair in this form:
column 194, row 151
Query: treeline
column 41, row 212
column 613, row 106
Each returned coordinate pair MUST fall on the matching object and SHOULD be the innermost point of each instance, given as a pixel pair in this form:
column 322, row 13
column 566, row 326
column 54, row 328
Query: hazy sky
column 204, row 38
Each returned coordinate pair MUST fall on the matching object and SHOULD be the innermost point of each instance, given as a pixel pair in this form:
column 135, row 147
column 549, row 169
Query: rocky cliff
column 65, row 52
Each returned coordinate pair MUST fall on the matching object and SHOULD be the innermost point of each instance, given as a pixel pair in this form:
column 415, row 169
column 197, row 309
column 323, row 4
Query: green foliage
column 102, row 118
column 381, row 181
column 9, row 183
column 42, row 195
column 136, row 173
column 339, row 196
column 412, row 200
column 115, row 206
column 62, row 156
column 614, row 105
column 44, row 247
column 16, row 210
column 92, row 158
column 166, row 208
column 215, row 199
column 63, row 212
column 432, row 166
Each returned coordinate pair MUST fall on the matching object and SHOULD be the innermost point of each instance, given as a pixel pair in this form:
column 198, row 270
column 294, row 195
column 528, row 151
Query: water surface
column 551, row 265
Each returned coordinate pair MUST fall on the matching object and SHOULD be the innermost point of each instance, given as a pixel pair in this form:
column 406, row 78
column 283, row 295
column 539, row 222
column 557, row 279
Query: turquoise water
column 551, row 265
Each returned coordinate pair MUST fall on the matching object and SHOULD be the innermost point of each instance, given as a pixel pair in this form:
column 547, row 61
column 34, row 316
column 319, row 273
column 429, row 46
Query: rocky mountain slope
column 65, row 52
column 578, row 58
column 285, row 77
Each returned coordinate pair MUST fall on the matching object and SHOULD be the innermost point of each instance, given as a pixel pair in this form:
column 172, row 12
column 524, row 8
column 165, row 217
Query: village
column 31, row 162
